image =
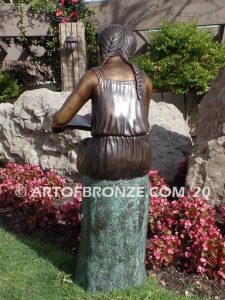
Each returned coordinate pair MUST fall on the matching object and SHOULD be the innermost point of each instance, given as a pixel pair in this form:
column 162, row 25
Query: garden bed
column 183, row 234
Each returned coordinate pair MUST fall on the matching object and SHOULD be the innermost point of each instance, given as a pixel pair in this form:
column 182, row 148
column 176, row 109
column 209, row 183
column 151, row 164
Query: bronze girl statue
column 114, row 225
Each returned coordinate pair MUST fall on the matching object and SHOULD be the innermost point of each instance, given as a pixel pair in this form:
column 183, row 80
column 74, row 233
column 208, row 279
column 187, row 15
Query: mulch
column 190, row 284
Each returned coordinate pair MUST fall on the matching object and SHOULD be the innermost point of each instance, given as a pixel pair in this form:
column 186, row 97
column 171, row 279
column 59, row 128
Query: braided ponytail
column 120, row 40
column 138, row 75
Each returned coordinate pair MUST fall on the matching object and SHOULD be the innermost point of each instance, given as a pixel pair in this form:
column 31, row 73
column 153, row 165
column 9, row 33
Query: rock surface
column 25, row 135
column 207, row 163
column 170, row 138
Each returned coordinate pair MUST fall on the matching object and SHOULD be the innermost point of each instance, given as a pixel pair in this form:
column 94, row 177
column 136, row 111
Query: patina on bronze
column 113, row 229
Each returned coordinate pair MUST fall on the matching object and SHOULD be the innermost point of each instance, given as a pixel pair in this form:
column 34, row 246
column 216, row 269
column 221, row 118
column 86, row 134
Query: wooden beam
column 4, row 47
column 73, row 64
column 221, row 32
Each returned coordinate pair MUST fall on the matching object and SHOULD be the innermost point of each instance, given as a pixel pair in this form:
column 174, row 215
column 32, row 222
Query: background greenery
column 44, row 10
column 182, row 58
column 9, row 87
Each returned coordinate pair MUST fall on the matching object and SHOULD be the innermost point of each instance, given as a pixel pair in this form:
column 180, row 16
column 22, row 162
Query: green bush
column 9, row 87
column 182, row 58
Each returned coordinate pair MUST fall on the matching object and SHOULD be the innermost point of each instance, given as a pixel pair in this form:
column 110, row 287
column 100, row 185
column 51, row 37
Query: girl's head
column 119, row 40
column 116, row 40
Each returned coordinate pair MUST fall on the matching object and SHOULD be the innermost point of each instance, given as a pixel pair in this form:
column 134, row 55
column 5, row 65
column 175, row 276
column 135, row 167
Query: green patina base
column 113, row 235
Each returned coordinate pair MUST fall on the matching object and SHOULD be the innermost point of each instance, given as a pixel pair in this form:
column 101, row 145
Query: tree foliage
column 182, row 58
column 9, row 87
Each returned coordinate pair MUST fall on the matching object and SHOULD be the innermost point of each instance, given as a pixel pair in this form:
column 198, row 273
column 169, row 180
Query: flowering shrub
column 162, row 250
column 67, row 11
column 181, row 232
column 69, row 212
column 184, row 232
column 28, row 188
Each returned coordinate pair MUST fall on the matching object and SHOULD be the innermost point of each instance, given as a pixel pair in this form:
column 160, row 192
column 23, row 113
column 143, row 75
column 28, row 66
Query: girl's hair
column 120, row 40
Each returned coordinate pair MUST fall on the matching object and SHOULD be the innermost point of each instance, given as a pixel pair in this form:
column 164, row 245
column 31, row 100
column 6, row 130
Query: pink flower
column 202, row 222
column 205, row 247
column 59, row 12
column 153, row 172
column 163, row 283
column 157, row 257
column 222, row 274
column 200, row 270
column 170, row 251
column 74, row 1
column 187, row 224
column 65, row 20
column 203, row 260
column 74, row 15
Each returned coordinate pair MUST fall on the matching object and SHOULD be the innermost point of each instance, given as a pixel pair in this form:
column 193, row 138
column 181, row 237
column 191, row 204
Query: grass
column 30, row 269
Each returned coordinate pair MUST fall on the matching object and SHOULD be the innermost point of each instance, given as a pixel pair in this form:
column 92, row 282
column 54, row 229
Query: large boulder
column 170, row 138
column 25, row 135
column 207, row 163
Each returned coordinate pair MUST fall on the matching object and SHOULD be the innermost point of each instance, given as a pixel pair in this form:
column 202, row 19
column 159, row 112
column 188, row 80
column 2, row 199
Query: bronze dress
column 119, row 147
column 113, row 235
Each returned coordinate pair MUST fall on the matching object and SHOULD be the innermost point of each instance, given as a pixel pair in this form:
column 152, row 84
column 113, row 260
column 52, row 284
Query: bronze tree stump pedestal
column 113, row 235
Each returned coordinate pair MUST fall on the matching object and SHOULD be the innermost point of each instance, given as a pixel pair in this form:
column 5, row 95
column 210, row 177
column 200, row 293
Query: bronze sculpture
column 113, row 229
